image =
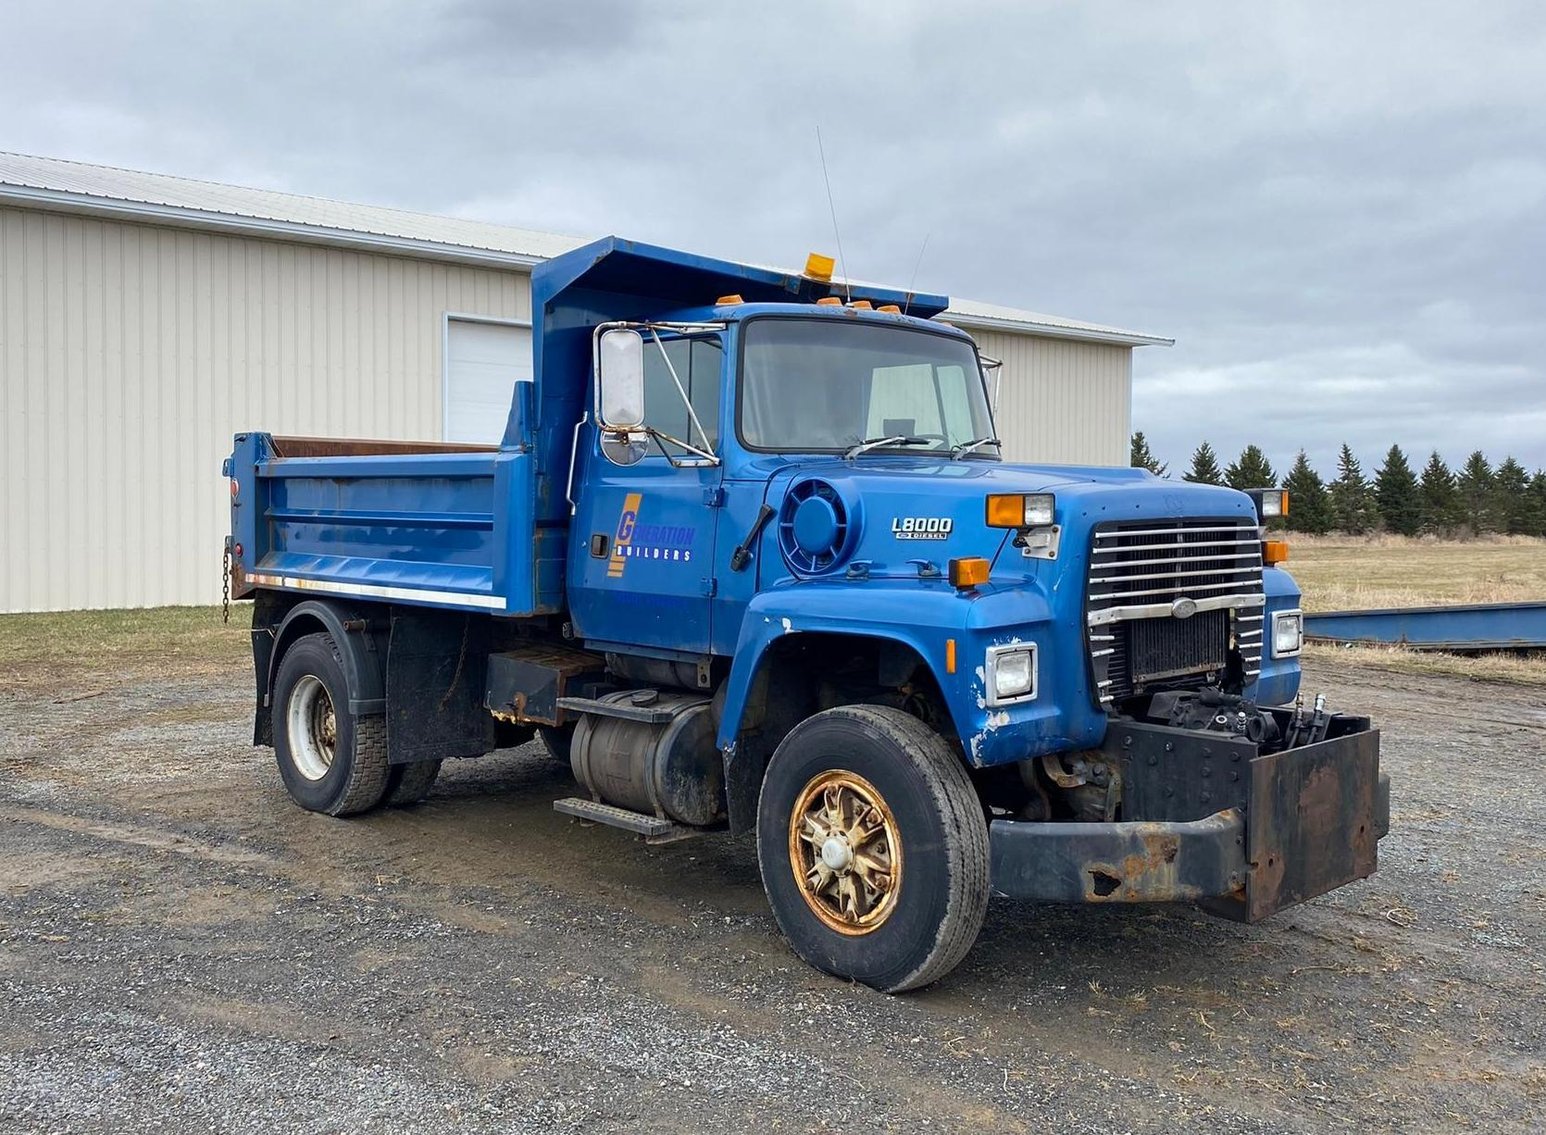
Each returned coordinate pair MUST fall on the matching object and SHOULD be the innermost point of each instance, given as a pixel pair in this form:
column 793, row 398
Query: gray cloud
column 1338, row 210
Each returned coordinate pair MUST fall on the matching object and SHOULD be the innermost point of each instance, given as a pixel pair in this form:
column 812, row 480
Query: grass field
column 180, row 640
column 1347, row 573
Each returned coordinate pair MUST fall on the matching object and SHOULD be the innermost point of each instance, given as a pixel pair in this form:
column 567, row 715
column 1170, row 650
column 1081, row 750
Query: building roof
column 53, row 183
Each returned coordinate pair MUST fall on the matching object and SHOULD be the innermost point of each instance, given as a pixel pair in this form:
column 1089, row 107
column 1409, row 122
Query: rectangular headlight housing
column 1287, row 633
column 1021, row 510
column 1010, row 673
column 1270, row 503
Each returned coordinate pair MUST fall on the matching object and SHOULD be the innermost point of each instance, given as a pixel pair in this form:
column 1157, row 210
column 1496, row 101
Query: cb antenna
column 913, row 283
column 842, row 264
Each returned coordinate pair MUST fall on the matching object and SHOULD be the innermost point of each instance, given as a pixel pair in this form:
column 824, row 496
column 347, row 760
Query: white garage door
column 484, row 361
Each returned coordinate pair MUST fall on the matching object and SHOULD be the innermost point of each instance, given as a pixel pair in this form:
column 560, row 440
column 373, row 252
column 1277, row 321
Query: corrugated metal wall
column 129, row 355
column 1062, row 401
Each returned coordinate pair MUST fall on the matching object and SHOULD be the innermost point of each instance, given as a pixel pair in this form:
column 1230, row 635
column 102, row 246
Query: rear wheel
column 557, row 740
column 408, row 784
column 873, row 847
column 330, row 760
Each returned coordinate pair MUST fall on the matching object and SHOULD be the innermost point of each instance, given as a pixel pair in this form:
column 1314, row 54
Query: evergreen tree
column 1309, row 510
column 1439, row 503
column 1474, row 493
column 1513, row 504
column 1251, row 470
column 1205, row 467
column 1142, row 458
column 1538, row 496
column 1396, row 494
column 1352, row 504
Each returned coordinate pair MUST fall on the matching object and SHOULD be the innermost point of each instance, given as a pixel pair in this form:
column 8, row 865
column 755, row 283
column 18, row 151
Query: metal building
column 144, row 319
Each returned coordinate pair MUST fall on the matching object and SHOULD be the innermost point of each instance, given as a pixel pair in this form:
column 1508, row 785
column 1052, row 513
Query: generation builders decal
column 635, row 541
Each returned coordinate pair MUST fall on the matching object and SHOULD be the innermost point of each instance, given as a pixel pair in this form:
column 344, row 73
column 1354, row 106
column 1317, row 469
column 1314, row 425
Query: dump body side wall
column 442, row 529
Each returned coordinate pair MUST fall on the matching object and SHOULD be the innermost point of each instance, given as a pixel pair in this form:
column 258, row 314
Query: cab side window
column 698, row 363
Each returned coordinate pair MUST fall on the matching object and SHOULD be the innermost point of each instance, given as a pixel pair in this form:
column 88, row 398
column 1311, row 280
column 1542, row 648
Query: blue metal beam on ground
column 1473, row 626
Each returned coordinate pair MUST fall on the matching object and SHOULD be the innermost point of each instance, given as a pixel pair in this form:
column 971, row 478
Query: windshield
column 809, row 384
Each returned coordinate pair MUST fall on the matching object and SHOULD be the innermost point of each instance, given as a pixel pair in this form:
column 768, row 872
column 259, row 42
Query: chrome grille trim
column 1214, row 564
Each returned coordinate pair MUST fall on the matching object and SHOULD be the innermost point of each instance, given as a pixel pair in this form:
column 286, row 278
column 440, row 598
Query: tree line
column 1476, row 499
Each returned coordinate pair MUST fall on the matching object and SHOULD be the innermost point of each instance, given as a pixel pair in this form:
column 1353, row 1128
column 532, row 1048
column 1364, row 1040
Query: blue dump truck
column 749, row 560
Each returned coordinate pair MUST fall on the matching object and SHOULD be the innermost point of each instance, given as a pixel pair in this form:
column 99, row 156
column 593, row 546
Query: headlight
column 1011, row 673
column 1287, row 633
column 1270, row 503
column 1021, row 510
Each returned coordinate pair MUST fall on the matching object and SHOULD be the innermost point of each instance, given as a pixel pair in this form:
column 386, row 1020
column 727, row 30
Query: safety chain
column 225, row 585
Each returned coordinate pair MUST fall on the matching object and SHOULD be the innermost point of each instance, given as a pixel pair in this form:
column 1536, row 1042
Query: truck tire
column 409, row 784
column 557, row 741
column 331, row 761
column 873, row 847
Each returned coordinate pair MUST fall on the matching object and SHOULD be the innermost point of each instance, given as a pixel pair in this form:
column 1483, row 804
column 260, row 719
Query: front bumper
column 1215, row 822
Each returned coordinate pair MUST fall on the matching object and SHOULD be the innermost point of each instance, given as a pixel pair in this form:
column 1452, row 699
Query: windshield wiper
column 959, row 451
column 870, row 443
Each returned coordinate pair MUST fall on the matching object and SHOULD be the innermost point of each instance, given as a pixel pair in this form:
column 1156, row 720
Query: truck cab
column 749, row 559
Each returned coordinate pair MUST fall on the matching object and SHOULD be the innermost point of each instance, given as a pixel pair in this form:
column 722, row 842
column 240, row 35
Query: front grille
column 1168, row 601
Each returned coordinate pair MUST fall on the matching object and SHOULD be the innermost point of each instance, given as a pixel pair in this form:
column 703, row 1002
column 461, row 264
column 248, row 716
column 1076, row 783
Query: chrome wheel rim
column 313, row 728
column 846, row 852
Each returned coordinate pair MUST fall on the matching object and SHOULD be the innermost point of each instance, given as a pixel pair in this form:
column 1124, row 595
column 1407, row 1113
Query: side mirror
column 620, row 375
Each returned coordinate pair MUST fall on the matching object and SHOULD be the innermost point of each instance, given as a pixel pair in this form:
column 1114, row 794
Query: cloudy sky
column 1338, row 210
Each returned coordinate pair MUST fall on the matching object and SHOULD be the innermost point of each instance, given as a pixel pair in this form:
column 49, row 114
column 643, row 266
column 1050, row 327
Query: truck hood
column 887, row 511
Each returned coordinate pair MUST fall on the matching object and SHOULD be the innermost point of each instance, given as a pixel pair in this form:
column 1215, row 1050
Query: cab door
column 642, row 541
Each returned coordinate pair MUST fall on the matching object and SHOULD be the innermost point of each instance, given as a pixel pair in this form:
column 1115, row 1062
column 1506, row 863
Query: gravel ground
column 182, row 949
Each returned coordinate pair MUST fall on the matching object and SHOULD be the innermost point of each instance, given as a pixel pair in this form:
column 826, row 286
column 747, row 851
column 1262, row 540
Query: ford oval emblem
column 1184, row 608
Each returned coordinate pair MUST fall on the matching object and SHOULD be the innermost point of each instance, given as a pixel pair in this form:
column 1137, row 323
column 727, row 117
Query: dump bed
column 411, row 522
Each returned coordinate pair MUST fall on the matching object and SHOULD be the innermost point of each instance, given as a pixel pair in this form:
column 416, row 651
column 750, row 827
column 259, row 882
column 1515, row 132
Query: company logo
column 636, row 541
column 622, row 543
column 921, row 527
column 1184, row 608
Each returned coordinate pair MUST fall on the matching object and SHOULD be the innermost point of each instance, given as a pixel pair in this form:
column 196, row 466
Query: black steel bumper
column 1241, row 833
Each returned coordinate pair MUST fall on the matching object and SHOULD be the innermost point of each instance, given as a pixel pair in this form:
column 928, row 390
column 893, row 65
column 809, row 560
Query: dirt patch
column 181, row 947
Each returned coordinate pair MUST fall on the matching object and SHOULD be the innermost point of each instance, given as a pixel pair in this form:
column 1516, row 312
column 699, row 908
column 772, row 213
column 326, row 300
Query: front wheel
column 330, row 759
column 873, row 847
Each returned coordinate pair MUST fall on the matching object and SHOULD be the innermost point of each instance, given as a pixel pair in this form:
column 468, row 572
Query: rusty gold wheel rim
column 845, row 852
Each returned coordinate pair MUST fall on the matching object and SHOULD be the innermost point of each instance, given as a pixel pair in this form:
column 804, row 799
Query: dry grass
column 1515, row 669
column 72, row 644
column 1349, row 573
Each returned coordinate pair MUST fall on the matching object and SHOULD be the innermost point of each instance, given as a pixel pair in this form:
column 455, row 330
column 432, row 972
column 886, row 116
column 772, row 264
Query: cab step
column 652, row 828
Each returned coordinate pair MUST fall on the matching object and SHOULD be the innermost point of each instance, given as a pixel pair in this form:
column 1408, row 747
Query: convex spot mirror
column 620, row 374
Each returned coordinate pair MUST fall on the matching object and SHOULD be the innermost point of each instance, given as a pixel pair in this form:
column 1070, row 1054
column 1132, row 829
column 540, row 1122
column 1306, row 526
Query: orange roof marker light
column 889, row 309
column 830, row 301
column 727, row 301
column 862, row 305
column 819, row 267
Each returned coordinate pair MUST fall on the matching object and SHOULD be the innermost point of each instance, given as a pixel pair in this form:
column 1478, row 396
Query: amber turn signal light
column 1274, row 552
column 969, row 571
column 1006, row 511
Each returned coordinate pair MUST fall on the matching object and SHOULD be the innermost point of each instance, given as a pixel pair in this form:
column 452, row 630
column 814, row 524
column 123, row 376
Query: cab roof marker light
column 889, row 309
column 862, row 305
column 728, row 301
column 829, row 301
